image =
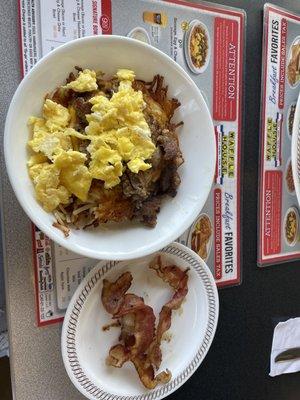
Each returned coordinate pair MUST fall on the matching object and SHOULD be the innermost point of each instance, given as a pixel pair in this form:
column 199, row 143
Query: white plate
column 140, row 34
column 187, row 54
column 85, row 346
column 196, row 137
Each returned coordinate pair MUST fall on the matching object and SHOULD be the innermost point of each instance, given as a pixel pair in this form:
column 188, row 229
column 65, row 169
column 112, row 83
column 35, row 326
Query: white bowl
column 197, row 142
column 85, row 346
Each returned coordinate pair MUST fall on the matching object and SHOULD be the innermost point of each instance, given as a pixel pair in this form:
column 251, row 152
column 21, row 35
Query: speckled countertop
column 36, row 364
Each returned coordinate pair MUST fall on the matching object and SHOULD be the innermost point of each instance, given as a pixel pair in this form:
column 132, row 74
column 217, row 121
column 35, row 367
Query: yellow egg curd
column 118, row 133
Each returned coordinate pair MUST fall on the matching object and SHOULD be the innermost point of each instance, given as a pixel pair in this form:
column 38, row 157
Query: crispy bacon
column 137, row 333
column 146, row 373
column 114, row 324
column 177, row 279
column 137, row 324
column 170, row 274
column 130, row 303
column 118, row 355
column 113, row 292
column 139, row 340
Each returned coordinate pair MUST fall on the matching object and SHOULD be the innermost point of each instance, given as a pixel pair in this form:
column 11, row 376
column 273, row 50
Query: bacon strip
column 170, row 274
column 140, row 342
column 137, row 324
column 113, row 292
column 177, row 279
column 146, row 373
column 118, row 355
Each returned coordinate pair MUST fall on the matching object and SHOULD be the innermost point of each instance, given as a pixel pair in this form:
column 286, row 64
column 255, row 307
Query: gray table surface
column 247, row 313
column 36, row 364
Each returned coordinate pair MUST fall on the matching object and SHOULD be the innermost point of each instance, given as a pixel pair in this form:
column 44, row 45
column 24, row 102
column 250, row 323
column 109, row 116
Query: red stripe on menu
column 217, row 154
column 21, row 40
column 239, row 155
column 105, row 19
column 282, row 63
column 272, row 212
column 50, row 321
column 36, row 281
column 218, row 233
column 215, row 9
column 280, row 140
column 225, row 69
column 283, row 13
column 289, row 257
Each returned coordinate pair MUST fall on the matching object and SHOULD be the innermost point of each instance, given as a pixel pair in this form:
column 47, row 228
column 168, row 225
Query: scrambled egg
column 118, row 133
column 85, row 82
column 56, row 116
column 74, row 175
column 48, row 189
column 51, row 140
column 49, row 132
column 37, row 159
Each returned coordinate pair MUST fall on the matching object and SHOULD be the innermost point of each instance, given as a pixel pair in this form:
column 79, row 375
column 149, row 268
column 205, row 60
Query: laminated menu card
column 172, row 27
column 278, row 217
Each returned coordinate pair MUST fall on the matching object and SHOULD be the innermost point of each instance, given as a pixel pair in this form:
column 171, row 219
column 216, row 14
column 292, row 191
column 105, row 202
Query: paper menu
column 57, row 274
column 280, row 89
column 169, row 26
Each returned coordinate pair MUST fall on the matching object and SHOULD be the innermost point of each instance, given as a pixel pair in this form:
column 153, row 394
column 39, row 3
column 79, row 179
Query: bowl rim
column 68, row 339
column 49, row 230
